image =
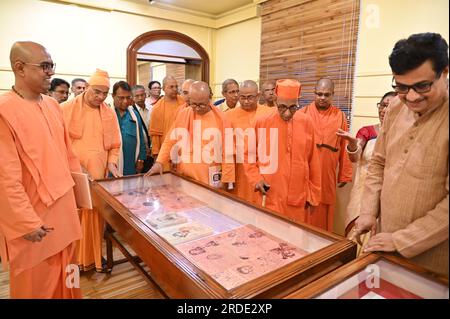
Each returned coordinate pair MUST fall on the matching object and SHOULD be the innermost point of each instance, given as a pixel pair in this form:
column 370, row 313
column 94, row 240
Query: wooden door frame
column 143, row 39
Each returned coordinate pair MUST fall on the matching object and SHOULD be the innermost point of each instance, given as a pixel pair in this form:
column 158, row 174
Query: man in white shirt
column 145, row 112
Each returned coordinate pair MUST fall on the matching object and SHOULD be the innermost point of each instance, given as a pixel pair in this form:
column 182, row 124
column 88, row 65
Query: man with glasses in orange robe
column 39, row 225
column 287, row 169
column 202, row 157
column 327, row 119
column 95, row 135
column 242, row 121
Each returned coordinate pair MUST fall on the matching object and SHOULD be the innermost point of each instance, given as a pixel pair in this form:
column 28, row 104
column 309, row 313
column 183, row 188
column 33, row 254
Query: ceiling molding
column 169, row 12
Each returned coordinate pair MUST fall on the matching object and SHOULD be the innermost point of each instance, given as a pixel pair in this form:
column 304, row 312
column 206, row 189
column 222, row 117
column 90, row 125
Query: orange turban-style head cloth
column 99, row 77
column 288, row 89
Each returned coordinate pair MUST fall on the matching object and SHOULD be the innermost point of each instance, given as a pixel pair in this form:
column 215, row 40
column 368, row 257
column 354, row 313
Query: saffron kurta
column 326, row 123
column 296, row 177
column 96, row 144
column 407, row 183
column 37, row 189
column 243, row 123
column 163, row 115
column 195, row 166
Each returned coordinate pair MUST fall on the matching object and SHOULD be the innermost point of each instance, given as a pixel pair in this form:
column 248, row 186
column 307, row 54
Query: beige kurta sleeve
column 370, row 203
column 17, row 216
column 425, row 232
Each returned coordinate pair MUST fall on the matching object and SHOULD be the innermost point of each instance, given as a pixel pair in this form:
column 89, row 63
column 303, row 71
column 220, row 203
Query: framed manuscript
column 377, row 276
column 200, row 242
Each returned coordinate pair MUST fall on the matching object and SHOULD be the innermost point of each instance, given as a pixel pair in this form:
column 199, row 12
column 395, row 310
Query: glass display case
column 200, row 242
column 377, row 276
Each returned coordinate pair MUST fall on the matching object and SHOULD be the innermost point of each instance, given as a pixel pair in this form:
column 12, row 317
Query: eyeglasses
column 100, row 93
column 292, row 108
column 421, row 87
column 250, row 98
column 233, row 92
column 382, row 105
column 200, row 105
column 320, row 94
column 46, row 67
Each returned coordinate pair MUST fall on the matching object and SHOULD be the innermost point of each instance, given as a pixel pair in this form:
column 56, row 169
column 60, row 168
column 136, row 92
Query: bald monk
column 290, row 176
column 163, row 115
column 327, row 120
column 212, row 168
column 242, row 120
column 268, row 97
column 95, row 135
column 185, row 86
column 39, row 225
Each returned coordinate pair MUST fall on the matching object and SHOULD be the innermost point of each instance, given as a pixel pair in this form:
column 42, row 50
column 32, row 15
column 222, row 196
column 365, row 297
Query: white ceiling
column 209, row 7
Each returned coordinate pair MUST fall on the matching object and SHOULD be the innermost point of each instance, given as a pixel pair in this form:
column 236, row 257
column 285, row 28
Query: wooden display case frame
column 178, row 277
column 338, row 276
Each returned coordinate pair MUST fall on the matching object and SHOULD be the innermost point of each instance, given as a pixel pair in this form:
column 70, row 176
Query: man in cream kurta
column 407, row 183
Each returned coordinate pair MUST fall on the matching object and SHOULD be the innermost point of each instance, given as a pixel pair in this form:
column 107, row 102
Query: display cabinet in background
column 199, row 242
column 377, row 276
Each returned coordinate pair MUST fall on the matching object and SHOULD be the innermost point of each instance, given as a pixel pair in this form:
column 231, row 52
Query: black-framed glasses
column 292, row 108
column 200, row 105
column 320, row 94
column 420, row 87
column 382, row 105
column 247, row 97
column 46, row 67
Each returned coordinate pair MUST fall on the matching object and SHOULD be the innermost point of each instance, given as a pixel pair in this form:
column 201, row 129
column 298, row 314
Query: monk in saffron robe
column 39, row 225
column 163, row 115
column 202, row 158
column 242, row 120
column 327, row 119
column 292, row 168
column 95, row 135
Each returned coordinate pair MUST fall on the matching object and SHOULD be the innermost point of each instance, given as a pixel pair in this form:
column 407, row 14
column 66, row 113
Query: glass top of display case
column 377, row 276
column 234, row 243
column 386, row 280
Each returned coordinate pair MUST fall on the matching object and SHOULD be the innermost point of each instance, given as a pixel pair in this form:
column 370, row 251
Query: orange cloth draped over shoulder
column 195, row 167
column 37, row 189
column 163, row 116
column 326, row 123
column 95, row 137
column 243, row 124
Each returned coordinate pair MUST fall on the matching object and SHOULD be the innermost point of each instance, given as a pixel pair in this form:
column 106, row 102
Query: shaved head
column 324, row 93
column 248, row 95
column 170, row 87
column 325, row 83
column 32, row 66
column 199, row 97
column 24, row 51
column 199, row 87
column 185, row 89
column 167, row 79
column 249, row 84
